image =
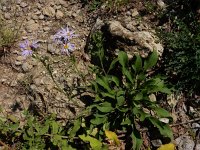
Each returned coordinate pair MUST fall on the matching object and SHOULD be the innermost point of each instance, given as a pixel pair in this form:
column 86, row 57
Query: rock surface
column 185, row 143
column 145, row 39
column 59, row 14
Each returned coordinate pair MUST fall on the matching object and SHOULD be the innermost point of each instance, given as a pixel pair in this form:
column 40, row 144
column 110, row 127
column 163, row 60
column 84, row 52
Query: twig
column 177, row 124
column 190, row 121
column 3, row 144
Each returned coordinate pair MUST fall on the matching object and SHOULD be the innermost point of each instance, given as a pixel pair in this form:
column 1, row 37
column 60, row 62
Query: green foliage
column 116, row 4
column 95, row 4
column 150, row 6
column 112, row 5
column 94, row 143
column 8, row 35
column 34, row 134
column 182, row 51
column 121, row 95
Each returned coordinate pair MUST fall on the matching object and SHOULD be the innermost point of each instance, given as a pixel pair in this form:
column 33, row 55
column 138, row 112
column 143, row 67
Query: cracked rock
column 144, row 39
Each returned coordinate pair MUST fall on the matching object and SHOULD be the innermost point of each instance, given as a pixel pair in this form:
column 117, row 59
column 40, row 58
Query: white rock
column 49, row 11
column 59, row 14
column 23, row 4
column 31, row 25
column 13, row 83
column 38, row 5
column 33, row 87
column 74, row 15
column 41, row 17
column 198, row 147
column 20, row 76
column 134, row 13
column 152, row 97
column 18, row 1
column 144, row 39
column 165, row 120
column 148, row 40
column 156, row 143
column 37, row 12
column 69, row 13
column 185, row 143
column 128, row 13
column 18, row 63
column 7, row 16
column 37, row 81
column 3, row 81
column 64, row 3
column 161, row 4
column 57, row 7
column 26, row 67
column 35, row 17
column 51, row 48
column 195, row 127
column 46, row 28
column 4, row 8
column 131, row 25
column 20, row 58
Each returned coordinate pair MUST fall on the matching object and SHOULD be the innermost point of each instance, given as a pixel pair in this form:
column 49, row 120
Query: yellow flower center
column 66, row 46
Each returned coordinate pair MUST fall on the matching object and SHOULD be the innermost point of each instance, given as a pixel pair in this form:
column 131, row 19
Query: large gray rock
column 145, row 39
column 148, row 40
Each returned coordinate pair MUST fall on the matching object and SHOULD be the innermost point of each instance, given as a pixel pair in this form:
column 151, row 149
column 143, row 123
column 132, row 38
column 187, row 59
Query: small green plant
column 46, row 133
column 95, row 4
column 150, row 6
column 8, row 35
column 122, row 92
column 112, row 5
column 116, row 4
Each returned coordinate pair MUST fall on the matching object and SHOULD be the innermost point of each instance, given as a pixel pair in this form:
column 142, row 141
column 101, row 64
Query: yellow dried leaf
column 112, row 136
column 169, row 146
column 12, row 118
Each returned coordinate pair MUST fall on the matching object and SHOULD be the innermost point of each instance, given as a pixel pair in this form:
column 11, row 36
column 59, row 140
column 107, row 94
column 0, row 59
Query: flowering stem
column 47, row 66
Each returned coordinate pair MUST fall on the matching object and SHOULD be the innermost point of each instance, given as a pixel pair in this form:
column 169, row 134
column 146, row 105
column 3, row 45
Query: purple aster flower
column 64, row 35
column 67, row 48
column 34, row 44
column 24, row 45
column 26, row 53
column 27, row 47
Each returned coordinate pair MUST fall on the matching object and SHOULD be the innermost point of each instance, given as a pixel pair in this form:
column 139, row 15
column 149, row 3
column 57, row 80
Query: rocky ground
column 40, row 22
column 27, row 83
